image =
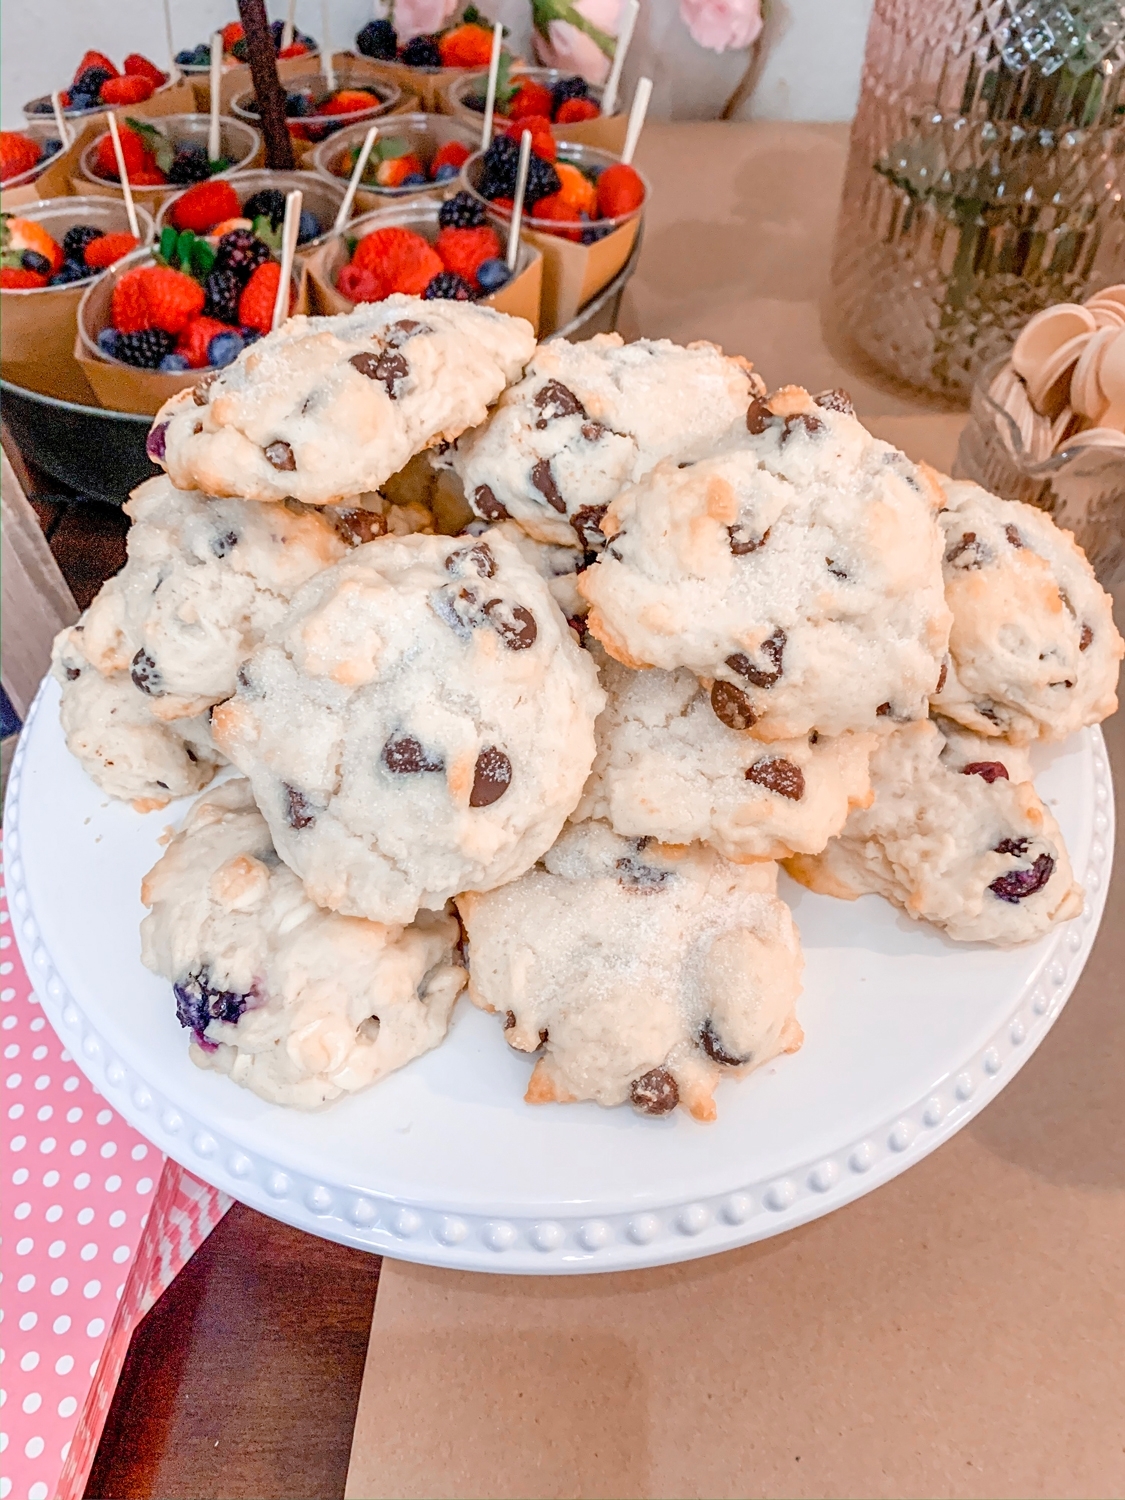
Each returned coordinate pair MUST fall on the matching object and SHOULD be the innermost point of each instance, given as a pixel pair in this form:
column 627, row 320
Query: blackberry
column 499, row 168
column 90, row 82
column 299, row 104
column 242, row 252
column 567, row 88
column 79, row 101
column 198, row 1002
column 422, row 52
column 69, row 271
column 75, row 240
column 145, row 349
column 462, row 211
column 450, row 286
column 190, row 164
column 268, row 204
column 222, row 290
column 378, row 39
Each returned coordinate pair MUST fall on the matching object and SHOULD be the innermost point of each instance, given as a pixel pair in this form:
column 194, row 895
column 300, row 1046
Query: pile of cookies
column 535, row 663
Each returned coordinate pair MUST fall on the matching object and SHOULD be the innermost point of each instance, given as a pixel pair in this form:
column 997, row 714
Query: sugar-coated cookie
column 420, row 723
column 800, row 572
column 955, row 841
column 300, row 1005
column 326, row 408
column 1033, row 652
column 638, row 971
column 590, row 417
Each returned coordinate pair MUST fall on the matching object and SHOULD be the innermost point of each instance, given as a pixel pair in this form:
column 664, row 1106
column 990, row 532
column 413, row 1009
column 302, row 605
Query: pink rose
column 421, row 17
column 576, row 36
column 722, row 25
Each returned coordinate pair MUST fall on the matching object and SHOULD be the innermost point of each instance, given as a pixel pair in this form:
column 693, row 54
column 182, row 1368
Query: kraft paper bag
column 574, row 273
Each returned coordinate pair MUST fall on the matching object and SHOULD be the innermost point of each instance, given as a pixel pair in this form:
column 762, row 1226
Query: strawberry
column 255, row 306
column 620, row 191
column 530, row 99
column 463, row 251
column 129, row 310
column 542, row 141
column 572, row 111
column 452, row 154
column 555, row 210
column 577, row 191
column 505, row 205
column 466, row 46
column 133, row 149
column 348, row 102
column 151, row 176
column 138, row 65
column 232, row 32
column 193, row 341
column 18, row 153
column 360, row 285
column 108, row 248
column 26, row 234
column 12, row 279
column 205, row 205
column 155, row 297
column 397, row 169
column 130, row 88
column 94, row 60
column 406, row 261
column 294, row 49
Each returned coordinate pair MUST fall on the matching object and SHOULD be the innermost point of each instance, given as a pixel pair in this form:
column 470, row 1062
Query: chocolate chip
column 587, row 519
column 478, row 557
column 1018, row 847
column 758, row 416
column 492, row 777
column 404, row 755
column 242, row 677
column 990, row 770
column 1065, row 597
column 555, row 400
column 487, row 504
column 510, row 1021
column 156, row 441
column 883, row 710
column 780, row 776
column 803, row 421
column 635, row 874
column 772, row 648
column 514, row 624
column 731, row 706
column 221, row 545
column 299, row 811
column 191, row 755
column 200, row 395
column 145, row 674
column 544, row 481
column 969, row 552
column 834, row 569
column 386, row 366
column 836, row 400
column 459, row 608
column 742, row 540
column 356, row 526
column 987, row 711
column 197, row 429
column 1013, row 536
column 1085, row 638
column 655, row 1092
column 708, row 1039
column 397, row 334
column 1017, row 884
column 281, row 456
column 942, row 675
column 814, row 737
column 592, row 431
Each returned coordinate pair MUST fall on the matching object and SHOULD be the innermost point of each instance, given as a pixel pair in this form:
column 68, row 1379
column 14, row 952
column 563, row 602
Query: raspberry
column 130, row 89
column 452, row 154
column 463, row 251
column 107, row 248
column 574, row 111
column 462, row 211
column 18, row 153
column 378, row 39
column 132, row 149
column 405, row 261
column 349, row 102
column 530, row 99
column 129, row 306
column 422, row 52
column 542, row 141
column 232, row 32
column 204, row 206
column 359, row 285
column 146, row 348
column 241, row 251
column 255, row 307
column 195, row 339
column 223, row 291
column 76, row 240
column 140, row 66
column 620, row 191
column 155, row 297
column 449, row 286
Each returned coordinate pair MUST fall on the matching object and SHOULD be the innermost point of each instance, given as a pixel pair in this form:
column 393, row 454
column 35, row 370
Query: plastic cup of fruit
column 424, row 135
column 306, row 130
column 466, row 95
column 230, row 62
column 40, row 131
column 591, row 162
column 322, row 198
column 239, row 144
column 42, row 108
column 38, row 324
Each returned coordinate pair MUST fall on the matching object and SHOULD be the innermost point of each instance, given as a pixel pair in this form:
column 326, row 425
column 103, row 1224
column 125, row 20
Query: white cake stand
column 908, row 1037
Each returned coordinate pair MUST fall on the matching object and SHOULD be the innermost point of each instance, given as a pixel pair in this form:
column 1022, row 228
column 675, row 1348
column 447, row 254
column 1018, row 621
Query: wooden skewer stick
column 290, row 26
column 326, row 50
column 624, row 37
column 289, row 231
column 636, row 118
column 213, row 141
column 356, row 178
column 127, row 191
column 517, row 203
column 60, row 120
column 490, row 96
column 173, row 66
column 267, row 86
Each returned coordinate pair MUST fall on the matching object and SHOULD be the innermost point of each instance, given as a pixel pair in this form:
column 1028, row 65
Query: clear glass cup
column 41, row 131
column 425, row 134
column 583, row 157
column 473, row 86
column 238, row 142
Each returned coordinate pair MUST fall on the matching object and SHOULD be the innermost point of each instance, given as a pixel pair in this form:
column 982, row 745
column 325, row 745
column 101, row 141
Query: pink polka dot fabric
column 77, row 1190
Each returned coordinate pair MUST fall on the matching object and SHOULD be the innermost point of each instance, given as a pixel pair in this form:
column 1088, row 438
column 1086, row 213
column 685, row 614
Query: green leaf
column 472, row 17
column 223, row 164
column 5, row 232
column 505, row 88
column 183, row 248
column 202, row 260
column 168, row 238
column 391, row 150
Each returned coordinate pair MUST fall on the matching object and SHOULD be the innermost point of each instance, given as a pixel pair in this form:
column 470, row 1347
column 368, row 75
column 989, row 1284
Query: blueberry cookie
column 326, row 408
column 297, row 1004
column 668, row 768
column 420, row 723
column 1034, row 652
column 111, row 730
column 799, row 573
column 636, row 970
column 955, row 841
column 589, row 418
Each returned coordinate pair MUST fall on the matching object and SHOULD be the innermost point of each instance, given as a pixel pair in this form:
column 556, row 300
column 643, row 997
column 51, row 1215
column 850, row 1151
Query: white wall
column 811, row 72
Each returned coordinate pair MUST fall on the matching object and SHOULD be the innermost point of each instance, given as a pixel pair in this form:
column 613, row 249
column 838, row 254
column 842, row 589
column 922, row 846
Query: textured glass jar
column 985, row 179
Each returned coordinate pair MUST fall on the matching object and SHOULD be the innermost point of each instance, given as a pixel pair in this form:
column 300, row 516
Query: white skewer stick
column 127, row 191
column 216, row 76
column 326, row 50
column 636, row 118
column 517, row 205
column 490, row 96
column 355, row 179
column 289, row 231
column 290, row 26
column 60, row 122
column 173, row 66
column 624, row 37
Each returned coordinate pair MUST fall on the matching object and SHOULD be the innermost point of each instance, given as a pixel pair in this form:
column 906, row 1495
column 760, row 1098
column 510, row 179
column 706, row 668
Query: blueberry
column 198, row 1003
column 413, row 179
column 224, row 349
column 70, row 271
column 31, row 260
column 107, row 341
column 186, row 58
column 173, row 364
column 51, row 147
column 447, row 172
column 492, row 275
column 79, row 100
column 308, row 228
